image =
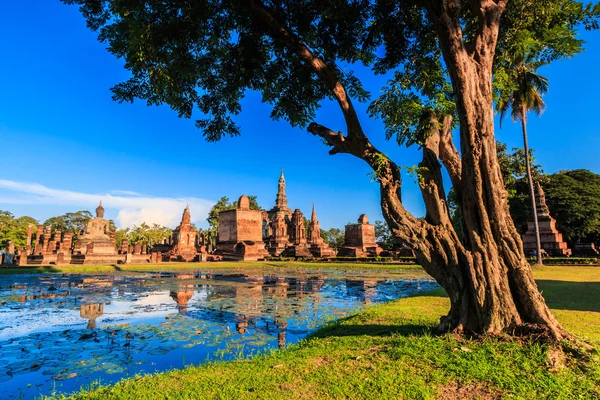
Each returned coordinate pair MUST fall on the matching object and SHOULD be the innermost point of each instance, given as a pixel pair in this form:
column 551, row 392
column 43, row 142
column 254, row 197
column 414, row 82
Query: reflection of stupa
column 91, row 312
column 182, row 298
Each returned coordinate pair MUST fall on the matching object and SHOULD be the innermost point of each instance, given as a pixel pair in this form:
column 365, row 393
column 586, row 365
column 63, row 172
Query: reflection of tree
column 91, row 312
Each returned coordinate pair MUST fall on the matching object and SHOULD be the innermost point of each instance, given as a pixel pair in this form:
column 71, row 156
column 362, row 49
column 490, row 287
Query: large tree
column 443, row 54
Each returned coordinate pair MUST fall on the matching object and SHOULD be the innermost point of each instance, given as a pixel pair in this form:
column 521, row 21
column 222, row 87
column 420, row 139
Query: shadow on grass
column 575, row 296
column 373, row 330
column 28, row 270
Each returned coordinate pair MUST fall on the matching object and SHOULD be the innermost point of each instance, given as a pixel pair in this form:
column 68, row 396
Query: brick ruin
column 243, row 234
column 185, row 240
column 359, row 240
column 240, row 234
column 246, row 234
column 551, row 239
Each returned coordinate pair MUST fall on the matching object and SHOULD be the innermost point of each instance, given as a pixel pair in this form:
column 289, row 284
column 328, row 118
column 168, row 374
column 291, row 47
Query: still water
column 59, row 332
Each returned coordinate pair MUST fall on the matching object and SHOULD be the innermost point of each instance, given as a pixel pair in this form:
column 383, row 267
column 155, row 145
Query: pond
column 59, row 332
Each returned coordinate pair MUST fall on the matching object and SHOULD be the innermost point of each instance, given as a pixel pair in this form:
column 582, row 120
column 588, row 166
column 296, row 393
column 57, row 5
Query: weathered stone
column 280, row 217
column 184, row 239
column 98, row 233
column 28, row 246
column 297, row 239
column 359, row 240
column 22, row 256
column 551, row 239
column 240, row 233
column 317, row 245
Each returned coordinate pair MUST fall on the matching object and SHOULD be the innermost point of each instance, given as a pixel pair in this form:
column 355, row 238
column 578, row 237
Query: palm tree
column 524, row 95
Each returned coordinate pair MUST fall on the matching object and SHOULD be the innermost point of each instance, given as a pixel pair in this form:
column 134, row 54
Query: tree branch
column 327, row 74
column 401, row 222
column 448, row 153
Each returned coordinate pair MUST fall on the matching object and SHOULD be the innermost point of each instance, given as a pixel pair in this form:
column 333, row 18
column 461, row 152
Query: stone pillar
column 39, row 248
column 28, row 243
column 125, row 246
column 47, row 234
column 56, row 240
column 67, row 242
column 144, row 249
column 137, row 249
column 22, row 255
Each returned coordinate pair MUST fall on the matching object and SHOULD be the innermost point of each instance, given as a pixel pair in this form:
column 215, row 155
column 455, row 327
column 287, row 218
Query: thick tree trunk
column 487, row 277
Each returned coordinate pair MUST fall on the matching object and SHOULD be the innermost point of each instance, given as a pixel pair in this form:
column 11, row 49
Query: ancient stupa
column 551, row 239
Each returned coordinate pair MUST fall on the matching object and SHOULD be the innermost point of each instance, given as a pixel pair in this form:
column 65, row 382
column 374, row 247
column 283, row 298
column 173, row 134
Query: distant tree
column 14, row 229
column 521, row 93
column 573, row 198
column 333, row 237
column 223, row 205
column 384, row 236
column 147, row 234
column 70, row 222
column 121, row 234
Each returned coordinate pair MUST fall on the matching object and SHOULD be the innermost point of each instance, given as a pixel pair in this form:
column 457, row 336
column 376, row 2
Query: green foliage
column 333, row 237
column 145, row 233
column 206, row 55
column 384, row 236
column 14, row 229
column 223, row 205
column 573, row 198
column 70, row 222
column 519, row 88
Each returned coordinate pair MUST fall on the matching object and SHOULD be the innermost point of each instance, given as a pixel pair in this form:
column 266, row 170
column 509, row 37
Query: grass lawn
column 386, row 351
column 200, row 266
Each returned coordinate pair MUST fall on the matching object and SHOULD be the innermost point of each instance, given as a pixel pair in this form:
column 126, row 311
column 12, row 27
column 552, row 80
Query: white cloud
column 133, row 208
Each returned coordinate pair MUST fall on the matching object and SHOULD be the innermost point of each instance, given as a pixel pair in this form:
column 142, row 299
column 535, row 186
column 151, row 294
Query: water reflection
column 65, row 331
column 91, row 312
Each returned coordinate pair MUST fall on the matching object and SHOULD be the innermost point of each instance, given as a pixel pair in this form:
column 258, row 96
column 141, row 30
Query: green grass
column 386, row 351
column 175, row 266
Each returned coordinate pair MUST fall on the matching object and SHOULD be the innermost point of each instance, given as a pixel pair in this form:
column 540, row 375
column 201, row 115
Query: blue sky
column 66, row 144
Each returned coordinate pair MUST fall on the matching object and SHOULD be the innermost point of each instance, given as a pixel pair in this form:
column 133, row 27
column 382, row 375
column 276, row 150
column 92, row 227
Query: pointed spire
column 281, row 200
column 314, row 213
